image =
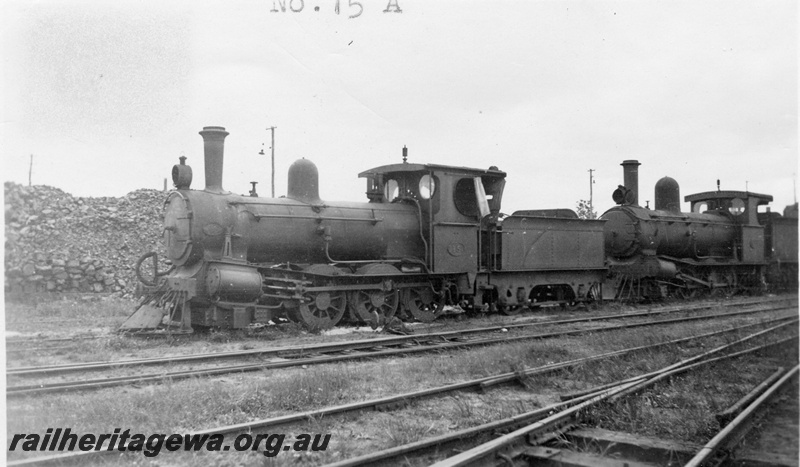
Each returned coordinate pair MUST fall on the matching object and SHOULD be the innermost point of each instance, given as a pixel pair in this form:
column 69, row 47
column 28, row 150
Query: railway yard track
column 557, row 434
column 558, row 439
column 51, row 378
column 574, row 425
column 53, row 343
column 554, row 435
column 777, row 424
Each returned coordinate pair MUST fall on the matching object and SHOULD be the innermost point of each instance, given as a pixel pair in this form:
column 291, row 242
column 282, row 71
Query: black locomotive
column 433, row 235
column 724, row 245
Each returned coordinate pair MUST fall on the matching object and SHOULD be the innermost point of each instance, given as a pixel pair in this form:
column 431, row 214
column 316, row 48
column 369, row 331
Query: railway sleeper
column 631, row 447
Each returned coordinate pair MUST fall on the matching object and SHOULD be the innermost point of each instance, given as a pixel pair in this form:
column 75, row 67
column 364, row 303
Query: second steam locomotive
column 433, row 235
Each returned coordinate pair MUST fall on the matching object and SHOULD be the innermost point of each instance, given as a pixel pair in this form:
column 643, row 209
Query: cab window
column 470, row 197
column 737, row 206
column 427, row 186
column 391, row 190
column 465, row 197
column 700, row 207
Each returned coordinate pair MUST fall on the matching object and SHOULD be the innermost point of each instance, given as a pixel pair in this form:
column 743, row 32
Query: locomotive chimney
column 630, row 172
column 213, row 139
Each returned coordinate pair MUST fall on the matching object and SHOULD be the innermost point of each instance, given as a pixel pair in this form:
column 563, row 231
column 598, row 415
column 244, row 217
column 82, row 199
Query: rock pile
column 55, row 242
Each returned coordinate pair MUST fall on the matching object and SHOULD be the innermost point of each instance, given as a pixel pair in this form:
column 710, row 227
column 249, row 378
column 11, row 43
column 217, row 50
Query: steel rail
column 484, row 382
column 67, row 386
column 277, row 421
column 402, row 399
column 52, row 340
column 538, row 428
column 738, row 427
column 724, row 417
column 646, row 347
column 666, row 375
column 472, row 456
column 317, row 348
column 13, row 341
column 513, row 323
column 38, row 349
column 687, row 361
column 378, row 458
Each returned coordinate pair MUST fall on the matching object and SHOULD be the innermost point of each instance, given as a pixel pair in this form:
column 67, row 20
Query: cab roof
column 406, row 167
column 727, row 194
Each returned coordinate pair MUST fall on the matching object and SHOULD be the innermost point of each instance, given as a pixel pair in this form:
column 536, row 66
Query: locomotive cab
column 528, row 259
column 739, row 206
column 451, row 201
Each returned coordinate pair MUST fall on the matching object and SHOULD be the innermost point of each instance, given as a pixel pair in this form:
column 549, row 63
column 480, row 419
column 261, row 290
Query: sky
column 107, row 96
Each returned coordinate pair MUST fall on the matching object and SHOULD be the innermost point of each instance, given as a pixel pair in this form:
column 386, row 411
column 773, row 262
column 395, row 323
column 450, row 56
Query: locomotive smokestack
column 213, row 139
column 630, row 172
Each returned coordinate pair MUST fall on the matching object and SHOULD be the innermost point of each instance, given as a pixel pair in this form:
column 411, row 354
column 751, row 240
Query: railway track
column 487, row 383
column 742, row 418
column 39, row 344
column 300, row 350
column 323, row 353
column 552, row 439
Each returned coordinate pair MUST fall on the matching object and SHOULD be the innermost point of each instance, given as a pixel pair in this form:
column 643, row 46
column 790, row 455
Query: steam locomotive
column 729, row 243
column 433, row 235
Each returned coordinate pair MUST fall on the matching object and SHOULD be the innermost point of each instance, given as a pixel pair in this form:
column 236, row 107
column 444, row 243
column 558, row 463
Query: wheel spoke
column 322, row 311
column 423, row 304
column 375, row 307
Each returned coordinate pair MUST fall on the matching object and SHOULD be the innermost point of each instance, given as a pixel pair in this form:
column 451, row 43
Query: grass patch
column 683, row 408
column 399, row 431
column 315, row 387
column 80, row 314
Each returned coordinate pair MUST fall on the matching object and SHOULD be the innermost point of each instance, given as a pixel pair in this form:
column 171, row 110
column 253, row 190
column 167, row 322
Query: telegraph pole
column 30, row 171
column 591, row 182
column 272, row 129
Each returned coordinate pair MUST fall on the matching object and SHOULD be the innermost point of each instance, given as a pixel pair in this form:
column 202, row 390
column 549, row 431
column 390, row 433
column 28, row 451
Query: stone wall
column 55, row 242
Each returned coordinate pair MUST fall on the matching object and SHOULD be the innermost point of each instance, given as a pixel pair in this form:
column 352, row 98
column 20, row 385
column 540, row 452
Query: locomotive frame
column 432, row 235
column 429, row 235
